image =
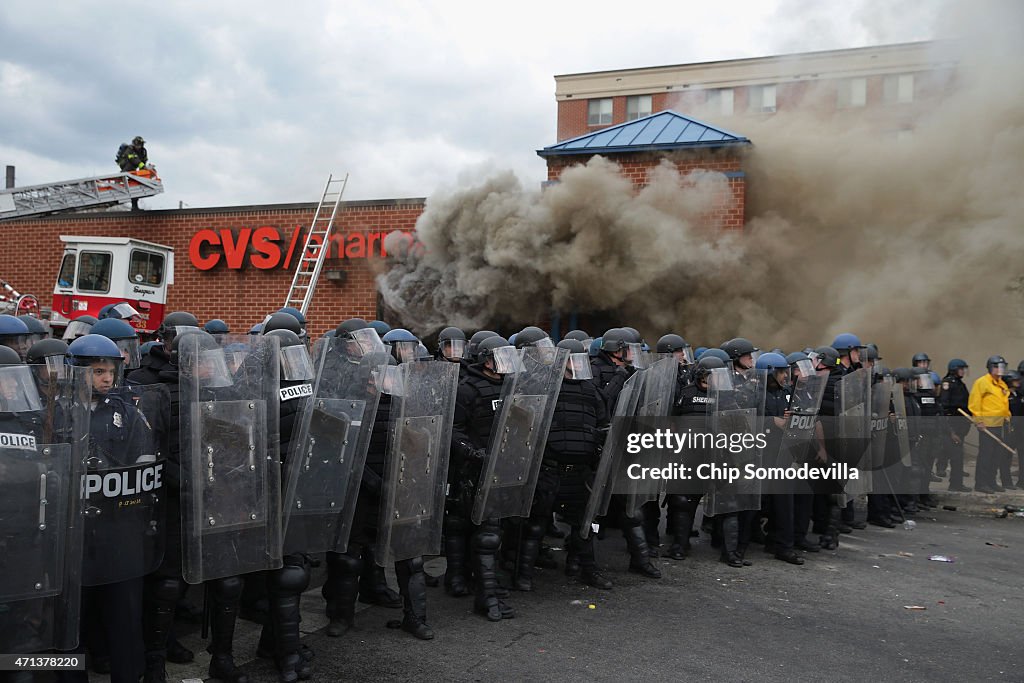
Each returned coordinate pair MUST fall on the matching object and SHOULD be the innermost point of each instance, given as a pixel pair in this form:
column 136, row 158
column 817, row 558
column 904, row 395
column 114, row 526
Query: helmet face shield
column 124, row 311
column 635, row 355
column 453, row 349
column 76, row 329
column 579, row 366
column 1000, row 369
column 925, row 383
column 18, row 392
column 720, row 379
column 213, row 368
column 544, row 343
column 364, row 342
column 296, row 365
column 405, row 351
column 506, row 360
column 687, row 355
column 130, row 352
column 804, row 368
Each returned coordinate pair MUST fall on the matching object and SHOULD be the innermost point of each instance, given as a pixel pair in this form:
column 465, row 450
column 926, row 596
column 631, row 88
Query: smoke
column 912, row 240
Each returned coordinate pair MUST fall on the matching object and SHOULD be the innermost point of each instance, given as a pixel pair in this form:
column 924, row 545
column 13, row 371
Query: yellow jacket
column 990, row 400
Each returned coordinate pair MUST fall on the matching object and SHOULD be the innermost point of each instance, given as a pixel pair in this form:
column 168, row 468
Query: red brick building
column 234, row 263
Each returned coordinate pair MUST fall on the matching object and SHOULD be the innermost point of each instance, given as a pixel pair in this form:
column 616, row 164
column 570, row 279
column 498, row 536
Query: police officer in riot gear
column 474, row 343
column 476, row 405
column 119, row 435
column 280, row 636
column 451, row 344
column 570, row 457
column 682, row 509
column 825, row 514
column 921, row 360
column 159, row 357
column 953, row 398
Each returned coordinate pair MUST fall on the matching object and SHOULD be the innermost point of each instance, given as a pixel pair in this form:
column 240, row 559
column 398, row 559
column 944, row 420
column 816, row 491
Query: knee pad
column 227, row 589
column 455, row 525
column 486, row 542
column 534, row 530
column 414, row 565
column 343, row 563
column 289, row 580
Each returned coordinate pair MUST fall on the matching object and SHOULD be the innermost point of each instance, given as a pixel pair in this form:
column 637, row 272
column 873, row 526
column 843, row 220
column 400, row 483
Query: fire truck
column 96, row 271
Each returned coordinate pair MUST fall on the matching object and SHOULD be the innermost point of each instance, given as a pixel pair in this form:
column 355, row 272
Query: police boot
column 486, row 542
column 224, row 595
column 830, row 539
column 160, row 596
column 730, row 530
column 412, row 585
column 529, row 548
column 373, row 584
column 680, row 517
column 650, row 513
column 590, row 573
column 340, row 591
column 285, row 587
column 455, row 530
column 639, row 553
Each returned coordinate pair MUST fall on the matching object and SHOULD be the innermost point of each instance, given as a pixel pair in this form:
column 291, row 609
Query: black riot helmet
column 451, row 344
column 171, row 322
column 738, row 347
column 578, row 365
column 904, row 374
column 827, row 356
column 532, row 336
column 282, row 321
column 997, row 362
column 498, row 354
column 474, row 343
column 355, row 338
column 670, row 343
column 79, row 327
column 615, row 340
column 705, row 365
column 578, row 335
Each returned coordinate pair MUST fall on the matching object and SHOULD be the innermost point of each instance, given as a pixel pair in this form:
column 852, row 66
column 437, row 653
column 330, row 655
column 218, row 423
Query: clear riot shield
column 902, row 426
column 881, row 402
column 611, row 453
column 416, row 470
column 853, row 412
column 518, row 436
column 655, row 401
column 123, row 494
column 734, row 417
column 42, row 451
column 324, row 471
column 800, row 431
column 230, row 460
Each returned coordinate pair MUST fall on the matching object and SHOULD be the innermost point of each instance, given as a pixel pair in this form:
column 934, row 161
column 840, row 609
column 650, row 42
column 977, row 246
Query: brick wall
column 730, row 210
column 32, row 253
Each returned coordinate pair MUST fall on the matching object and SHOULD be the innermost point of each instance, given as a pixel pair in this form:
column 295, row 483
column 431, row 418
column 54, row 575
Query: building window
column 720, row 101
column 599, row 112
column 146, row 268
column 853, row 92
column 762, row 98
column 94, row 272
column 898, row 89
column 637, row 107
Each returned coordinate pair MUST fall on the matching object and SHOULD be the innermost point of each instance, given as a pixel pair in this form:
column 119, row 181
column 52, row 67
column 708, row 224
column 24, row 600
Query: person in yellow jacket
column 989, row 402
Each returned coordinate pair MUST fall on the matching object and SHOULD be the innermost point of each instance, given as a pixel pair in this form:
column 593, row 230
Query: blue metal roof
column 664, row 130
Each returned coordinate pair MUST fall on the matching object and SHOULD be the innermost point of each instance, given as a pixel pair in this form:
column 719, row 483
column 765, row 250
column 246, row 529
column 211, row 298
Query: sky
column 256, row 102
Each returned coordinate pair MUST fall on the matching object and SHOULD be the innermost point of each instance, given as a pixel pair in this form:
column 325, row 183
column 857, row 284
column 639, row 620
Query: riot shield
column 734, row 420
column 902, row 425
column 518, row 435
column 611, row 453
column 324, row 471
column 123, row 494
column 42, row 452
column 655, row 401
column 230, row 458
column 416, row 469
column 801, row 426
column 853, row 412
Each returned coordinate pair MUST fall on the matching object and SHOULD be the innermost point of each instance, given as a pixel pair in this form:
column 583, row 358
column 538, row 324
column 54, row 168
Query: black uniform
column 932, row 428
column 112, row 614
column 570, row 458
column 953, row 398
column 476, row 404
column 780, row 503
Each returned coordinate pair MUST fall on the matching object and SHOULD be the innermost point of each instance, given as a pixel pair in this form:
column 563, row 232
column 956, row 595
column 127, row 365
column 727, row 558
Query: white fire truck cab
column 96, row 271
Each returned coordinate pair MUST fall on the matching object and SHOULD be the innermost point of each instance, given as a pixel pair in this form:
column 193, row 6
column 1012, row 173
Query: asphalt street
column 842, row 616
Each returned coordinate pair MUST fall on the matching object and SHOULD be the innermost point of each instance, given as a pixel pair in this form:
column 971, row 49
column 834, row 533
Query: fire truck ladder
column 69, row 195
column 314, row 251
